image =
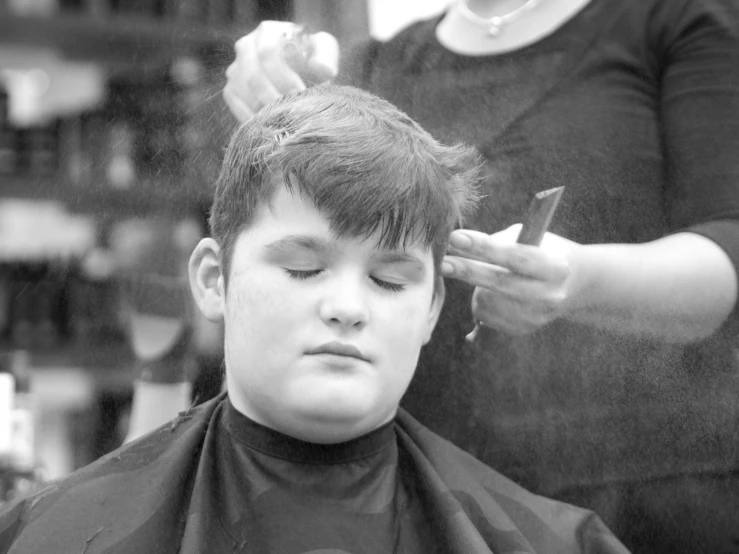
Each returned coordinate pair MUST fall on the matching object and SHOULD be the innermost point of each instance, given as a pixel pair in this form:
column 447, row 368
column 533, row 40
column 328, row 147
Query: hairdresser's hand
column 519, row 288
column 272, row 61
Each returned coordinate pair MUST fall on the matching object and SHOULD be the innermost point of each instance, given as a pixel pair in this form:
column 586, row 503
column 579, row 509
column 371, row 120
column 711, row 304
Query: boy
column 330, row 221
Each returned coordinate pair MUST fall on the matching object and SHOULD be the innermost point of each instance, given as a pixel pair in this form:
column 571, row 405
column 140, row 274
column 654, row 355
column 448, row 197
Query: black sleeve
column 700, row 114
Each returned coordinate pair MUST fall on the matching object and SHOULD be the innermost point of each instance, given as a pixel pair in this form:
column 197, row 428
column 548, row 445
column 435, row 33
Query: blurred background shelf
column 124, row 42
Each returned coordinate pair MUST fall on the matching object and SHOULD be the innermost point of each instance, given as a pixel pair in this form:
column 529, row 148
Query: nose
column 344, row 304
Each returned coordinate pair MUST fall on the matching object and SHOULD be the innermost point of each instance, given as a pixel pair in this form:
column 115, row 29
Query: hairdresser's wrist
column 585, row 273
column 605, row 296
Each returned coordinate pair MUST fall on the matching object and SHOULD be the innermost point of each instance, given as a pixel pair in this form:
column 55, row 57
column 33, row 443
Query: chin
column 338, row 413
column 336, row 399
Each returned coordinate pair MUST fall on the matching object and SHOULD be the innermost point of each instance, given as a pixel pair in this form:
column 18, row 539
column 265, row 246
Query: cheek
column 407, row 325
column 260, row 330
column 259, row 305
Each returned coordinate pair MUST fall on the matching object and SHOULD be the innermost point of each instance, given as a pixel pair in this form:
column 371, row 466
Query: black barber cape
column 213, row 481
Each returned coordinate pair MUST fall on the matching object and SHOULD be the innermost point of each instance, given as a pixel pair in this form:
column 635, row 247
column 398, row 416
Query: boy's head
column 331, row 216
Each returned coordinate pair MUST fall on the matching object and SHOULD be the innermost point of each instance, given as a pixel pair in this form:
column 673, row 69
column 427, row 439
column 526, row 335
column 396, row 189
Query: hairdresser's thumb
column 324, row 61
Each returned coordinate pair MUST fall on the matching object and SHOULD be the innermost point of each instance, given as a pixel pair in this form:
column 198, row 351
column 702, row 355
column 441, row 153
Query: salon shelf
column 118, row 41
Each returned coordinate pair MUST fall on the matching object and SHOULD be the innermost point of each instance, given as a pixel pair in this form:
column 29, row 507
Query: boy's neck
column 325, row 440
column 325, row 433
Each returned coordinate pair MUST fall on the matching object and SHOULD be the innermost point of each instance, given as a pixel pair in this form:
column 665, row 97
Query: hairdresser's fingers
column 254, row 79
column 500, row 250
column 474, row 272
column 314, row 57
column 244, row 92
column 275, row 49
column 241, row 111
column 323, row 64
column 500, row 321
column 259, row 61
column 497, row 249
column 239, row 77
column 510, row 316
column 500, row 283
column 510, row 271
column 536, row 310
column 271, row 62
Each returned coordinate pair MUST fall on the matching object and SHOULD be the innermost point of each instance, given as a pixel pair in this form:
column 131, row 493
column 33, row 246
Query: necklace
column 495, row 24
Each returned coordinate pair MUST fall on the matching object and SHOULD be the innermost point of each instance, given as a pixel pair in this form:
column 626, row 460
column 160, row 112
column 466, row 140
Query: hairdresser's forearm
column 679, row 288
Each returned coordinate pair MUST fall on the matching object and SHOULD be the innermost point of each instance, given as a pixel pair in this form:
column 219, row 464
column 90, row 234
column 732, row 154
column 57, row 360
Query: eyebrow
column 401, row 257
column 321, row 245
column 304, row 242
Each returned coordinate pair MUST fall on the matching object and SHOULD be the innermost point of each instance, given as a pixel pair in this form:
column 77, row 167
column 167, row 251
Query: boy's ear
column 435, row 310
column 206, row 280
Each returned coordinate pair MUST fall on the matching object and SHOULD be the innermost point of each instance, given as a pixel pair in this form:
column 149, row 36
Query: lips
column 339, row 349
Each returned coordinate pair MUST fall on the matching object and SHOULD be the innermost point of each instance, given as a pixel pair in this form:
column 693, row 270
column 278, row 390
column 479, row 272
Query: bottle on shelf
column 7, row 400
column 7, row 396
column 18, row 473
column 23, row 456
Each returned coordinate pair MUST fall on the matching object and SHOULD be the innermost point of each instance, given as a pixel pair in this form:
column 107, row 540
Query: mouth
column 339, row 349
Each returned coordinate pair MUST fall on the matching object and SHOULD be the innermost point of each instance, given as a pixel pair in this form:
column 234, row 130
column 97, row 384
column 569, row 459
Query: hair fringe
column 362, row 162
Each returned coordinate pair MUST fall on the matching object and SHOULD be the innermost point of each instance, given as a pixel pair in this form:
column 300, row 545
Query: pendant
column 495, row 26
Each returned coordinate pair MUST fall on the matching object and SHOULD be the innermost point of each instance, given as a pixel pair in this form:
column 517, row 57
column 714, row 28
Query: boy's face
column 322, row 335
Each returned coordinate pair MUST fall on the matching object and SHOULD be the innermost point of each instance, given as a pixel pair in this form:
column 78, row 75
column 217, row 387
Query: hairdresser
column 604, row 372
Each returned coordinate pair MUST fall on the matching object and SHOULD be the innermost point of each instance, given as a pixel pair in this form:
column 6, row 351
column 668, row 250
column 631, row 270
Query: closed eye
column 394, row 287
column 302, row 274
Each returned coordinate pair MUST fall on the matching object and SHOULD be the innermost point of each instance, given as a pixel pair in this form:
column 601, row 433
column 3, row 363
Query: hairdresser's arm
column 262, row 71
column 679, row 288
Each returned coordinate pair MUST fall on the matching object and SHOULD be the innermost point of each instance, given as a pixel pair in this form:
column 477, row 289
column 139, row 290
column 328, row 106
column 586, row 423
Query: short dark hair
column 364, row 164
